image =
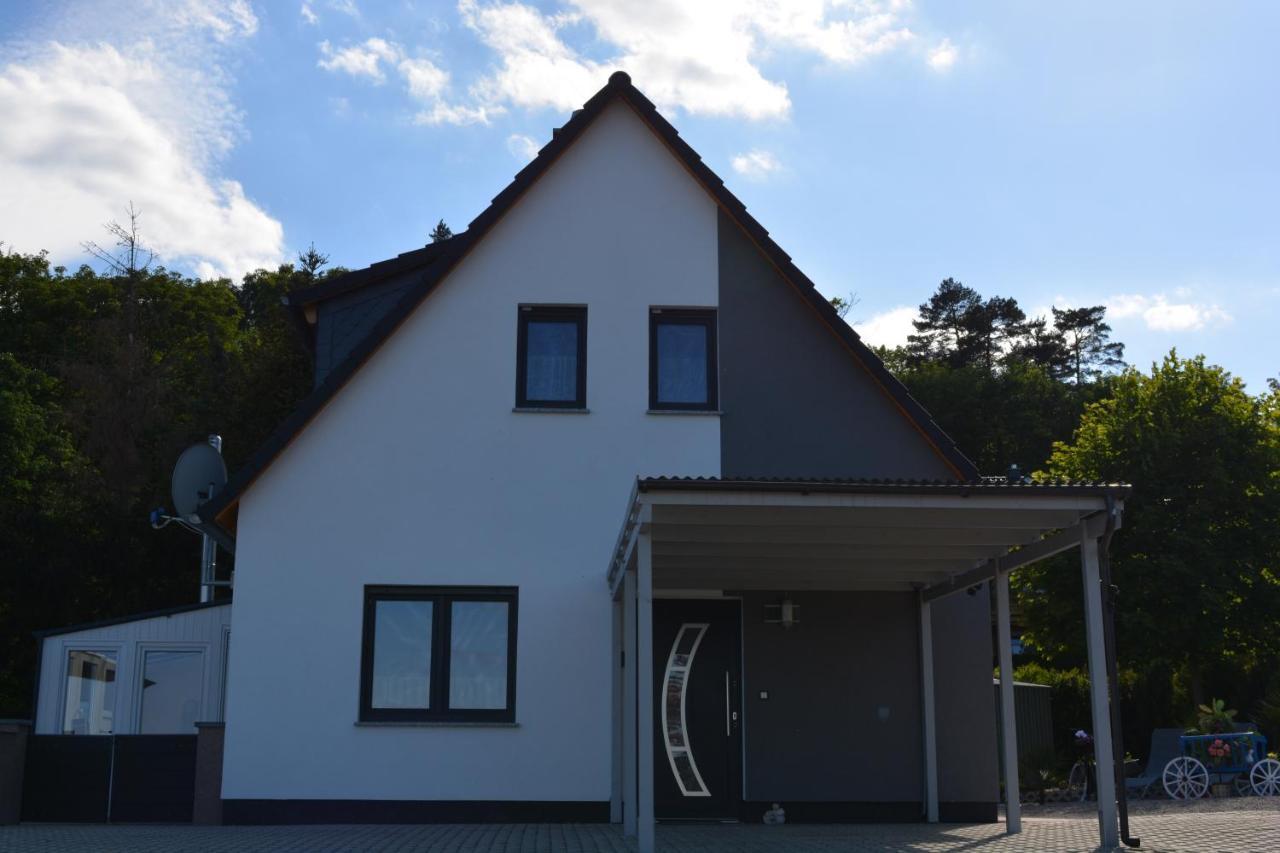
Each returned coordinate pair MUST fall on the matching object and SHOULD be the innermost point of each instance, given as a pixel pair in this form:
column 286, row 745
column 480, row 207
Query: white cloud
column 699, row 57
column 756, row 164
column 308, row 14
column 942, row 57
column 424, row 80
column 890, row 328
column 360, row 60
column 702, row 57
column 115, row 111
column 522, row 147
column 346, row 7
column 1161, row 315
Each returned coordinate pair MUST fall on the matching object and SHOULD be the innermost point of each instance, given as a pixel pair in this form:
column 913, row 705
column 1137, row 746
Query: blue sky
column 1125, row 154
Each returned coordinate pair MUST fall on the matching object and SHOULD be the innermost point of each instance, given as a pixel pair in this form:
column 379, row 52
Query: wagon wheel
column 1265, row 777
column 1185, row 779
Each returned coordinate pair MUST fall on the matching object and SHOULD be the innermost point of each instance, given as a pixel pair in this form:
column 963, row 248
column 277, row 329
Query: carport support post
column 629, row 703
column 1008, row 718
column 644, row 673
column 615, row 669
column 927, row 712
column 1104, row 762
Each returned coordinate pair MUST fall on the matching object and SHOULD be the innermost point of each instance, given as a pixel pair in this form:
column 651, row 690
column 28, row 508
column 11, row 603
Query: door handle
column 729, row 716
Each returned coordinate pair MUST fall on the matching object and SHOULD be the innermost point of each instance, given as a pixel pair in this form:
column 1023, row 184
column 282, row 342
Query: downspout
column 1113, row 675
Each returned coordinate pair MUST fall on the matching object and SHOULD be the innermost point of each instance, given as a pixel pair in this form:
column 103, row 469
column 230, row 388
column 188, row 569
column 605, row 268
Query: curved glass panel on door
column 675, row 726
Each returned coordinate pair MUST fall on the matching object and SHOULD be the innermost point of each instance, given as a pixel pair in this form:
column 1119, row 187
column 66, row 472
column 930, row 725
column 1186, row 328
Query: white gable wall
column 418, row 472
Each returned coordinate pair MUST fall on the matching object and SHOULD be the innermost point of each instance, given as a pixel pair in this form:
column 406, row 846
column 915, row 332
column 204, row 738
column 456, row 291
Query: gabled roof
column 437, row 260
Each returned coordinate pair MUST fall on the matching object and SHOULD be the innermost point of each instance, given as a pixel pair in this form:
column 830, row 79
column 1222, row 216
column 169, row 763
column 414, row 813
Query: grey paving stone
column 1243, row 827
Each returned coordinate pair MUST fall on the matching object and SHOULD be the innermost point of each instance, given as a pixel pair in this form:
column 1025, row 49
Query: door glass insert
column 674, row 718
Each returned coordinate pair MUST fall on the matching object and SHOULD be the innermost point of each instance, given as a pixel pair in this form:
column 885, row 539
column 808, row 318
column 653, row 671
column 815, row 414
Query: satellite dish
column 199, row 474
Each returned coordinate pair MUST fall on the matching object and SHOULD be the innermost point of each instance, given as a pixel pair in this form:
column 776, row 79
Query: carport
column 933, row 539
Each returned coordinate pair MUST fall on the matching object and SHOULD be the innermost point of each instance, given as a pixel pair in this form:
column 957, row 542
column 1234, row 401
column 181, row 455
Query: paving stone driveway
column 1238, row 830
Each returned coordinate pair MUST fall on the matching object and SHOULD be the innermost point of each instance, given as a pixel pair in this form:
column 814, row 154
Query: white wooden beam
column 629, row 739
column 1008, row 716
column 1086, row 503
column 1103, row 758
column 799, row 534
column 928, row 714
column 644, row 713
column 907, row 550
column 615, row 719
column 959, row 517
column 927, row 570
column 1063, row 540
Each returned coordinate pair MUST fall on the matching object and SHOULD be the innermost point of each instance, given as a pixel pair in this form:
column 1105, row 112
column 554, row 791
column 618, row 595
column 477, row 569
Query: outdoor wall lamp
column 783, row 613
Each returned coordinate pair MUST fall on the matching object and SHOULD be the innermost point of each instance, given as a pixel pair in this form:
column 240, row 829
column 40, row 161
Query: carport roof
column 927, row 535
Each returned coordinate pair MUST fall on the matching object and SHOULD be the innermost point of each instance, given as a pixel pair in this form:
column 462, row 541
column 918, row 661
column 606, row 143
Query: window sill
column 434, row 724
column 706, row 413
column 548, row 410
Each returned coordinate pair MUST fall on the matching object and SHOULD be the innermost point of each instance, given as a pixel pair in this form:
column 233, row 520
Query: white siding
column 418, row 472
column 196, row 629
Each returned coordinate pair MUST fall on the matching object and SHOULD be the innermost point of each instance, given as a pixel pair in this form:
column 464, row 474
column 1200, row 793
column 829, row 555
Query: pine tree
column 441, row 232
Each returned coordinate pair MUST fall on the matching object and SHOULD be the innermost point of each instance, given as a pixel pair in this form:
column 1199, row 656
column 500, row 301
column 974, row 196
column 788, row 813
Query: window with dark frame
column 682, row 360
column 551, row 357
column 444, row 654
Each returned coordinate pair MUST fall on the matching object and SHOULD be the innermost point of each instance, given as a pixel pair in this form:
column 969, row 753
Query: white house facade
column 598, row 512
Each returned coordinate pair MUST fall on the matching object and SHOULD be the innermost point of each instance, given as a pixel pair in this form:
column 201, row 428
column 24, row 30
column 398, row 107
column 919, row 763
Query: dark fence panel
column 67, row 778
column 153, row 779
column 116, row 778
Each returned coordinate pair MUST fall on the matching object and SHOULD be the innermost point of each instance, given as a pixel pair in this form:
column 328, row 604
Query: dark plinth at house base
column 864, row 812
column 264, row 812
column 260, row 812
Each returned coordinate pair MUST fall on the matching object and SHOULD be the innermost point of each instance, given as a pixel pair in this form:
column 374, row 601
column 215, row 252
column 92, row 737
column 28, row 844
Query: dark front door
column 698, row 743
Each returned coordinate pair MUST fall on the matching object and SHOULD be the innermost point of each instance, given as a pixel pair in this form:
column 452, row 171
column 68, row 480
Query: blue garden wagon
column 1238, row 759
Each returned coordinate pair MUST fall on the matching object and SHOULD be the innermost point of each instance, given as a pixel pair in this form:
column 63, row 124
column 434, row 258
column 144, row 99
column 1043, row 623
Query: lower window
column 438, row 653
column 172, row 691
column 89, row 707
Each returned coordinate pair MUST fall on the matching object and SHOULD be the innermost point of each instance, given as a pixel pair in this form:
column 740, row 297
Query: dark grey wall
column 795, row 402
column 819, row 736
column 965, row 703
column 343, row 321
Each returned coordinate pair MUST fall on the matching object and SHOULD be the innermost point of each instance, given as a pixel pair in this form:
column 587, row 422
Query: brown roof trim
column 437, row 263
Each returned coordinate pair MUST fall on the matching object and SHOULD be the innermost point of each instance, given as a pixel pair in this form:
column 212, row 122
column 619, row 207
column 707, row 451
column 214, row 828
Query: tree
column 942, row 326
column 104, row 379
column 441, row 232
column 1045, row 346
column 957, row 327
column 1197, row 560
column 1087, row 339
column 844, row 304
column 992, row 327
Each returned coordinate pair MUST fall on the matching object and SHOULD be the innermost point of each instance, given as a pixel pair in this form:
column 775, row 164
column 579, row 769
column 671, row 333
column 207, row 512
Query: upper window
column 551, row 360
column 439, row 653
column 682, row 360
column 89, row 708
